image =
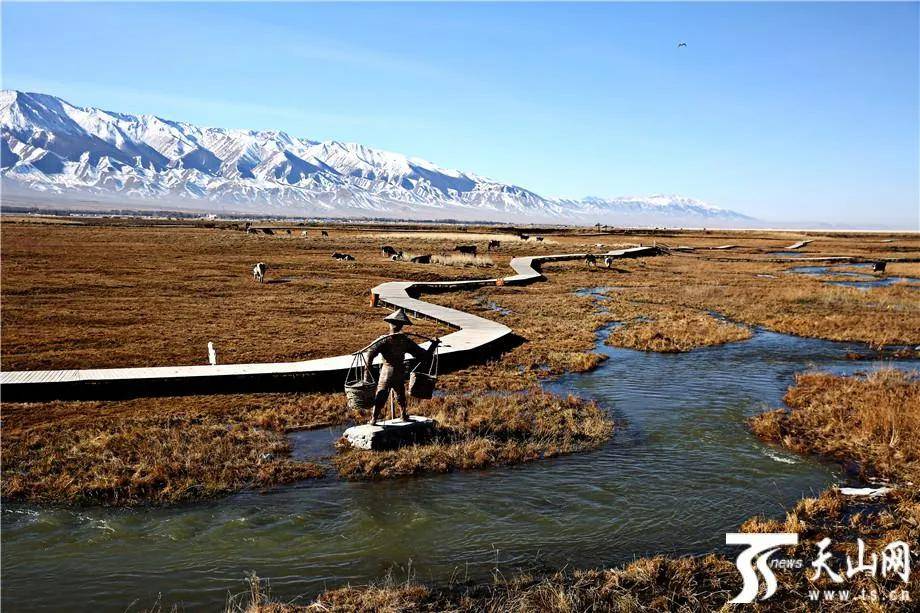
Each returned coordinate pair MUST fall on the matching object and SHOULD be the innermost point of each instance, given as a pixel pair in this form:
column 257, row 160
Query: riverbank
column 708, row 582
column 172, row 450
column 156, row 450
column 480, row 431
column 871, row 423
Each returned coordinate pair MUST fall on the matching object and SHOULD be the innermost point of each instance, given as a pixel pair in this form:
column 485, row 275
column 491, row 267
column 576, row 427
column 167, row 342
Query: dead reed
column 487, row 430
column 156, row 450
column 873, row 420
column 463, row 260
column 673, row 331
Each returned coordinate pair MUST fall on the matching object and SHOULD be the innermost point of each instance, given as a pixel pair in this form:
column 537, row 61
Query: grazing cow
column 388, row 251
column 324, row 233
column 421, row 259
column 267, row 231
column 590, row 260
column 397, row 257
column 342, row 256
column 879, row 266
column 258, row 272
column 524, row 237
column 539, row 239
column 288, row 231
column 493, row 245
column 608, row 261
column 467, row 249
column 303, row 232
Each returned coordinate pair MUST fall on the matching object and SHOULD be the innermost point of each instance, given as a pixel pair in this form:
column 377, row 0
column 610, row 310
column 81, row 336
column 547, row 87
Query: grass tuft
column 872, row 419
column 487, row 430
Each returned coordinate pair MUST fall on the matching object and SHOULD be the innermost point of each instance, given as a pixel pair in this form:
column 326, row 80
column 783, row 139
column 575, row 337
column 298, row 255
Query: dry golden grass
column 487, row 430
column 658, row 584
column 905, row 269
column 793, row 304
column 109, row 296
column 156, row 450
column 874, row 420
column 672, row 331
column 129, row 293
column 463, row 260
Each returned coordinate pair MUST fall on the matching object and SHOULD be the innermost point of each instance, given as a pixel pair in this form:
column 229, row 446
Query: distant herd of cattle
column 259, row 270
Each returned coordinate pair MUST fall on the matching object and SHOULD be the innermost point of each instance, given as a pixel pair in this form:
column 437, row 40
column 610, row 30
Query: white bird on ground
column 212, row 354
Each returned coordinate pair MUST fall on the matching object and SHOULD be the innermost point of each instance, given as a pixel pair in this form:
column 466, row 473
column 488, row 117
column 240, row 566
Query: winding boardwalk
column 475, row 336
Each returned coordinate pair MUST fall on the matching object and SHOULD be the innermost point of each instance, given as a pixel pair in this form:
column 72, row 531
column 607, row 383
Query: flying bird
column 679, row 45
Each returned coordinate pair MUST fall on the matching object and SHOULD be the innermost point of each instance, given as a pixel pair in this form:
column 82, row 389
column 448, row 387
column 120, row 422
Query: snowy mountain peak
column 51, row 146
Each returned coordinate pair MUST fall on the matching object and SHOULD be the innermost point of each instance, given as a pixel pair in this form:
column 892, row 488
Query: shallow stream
column 682, row 472
column 866, row 280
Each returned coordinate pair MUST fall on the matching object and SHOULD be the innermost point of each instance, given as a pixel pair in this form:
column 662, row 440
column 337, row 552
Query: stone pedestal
column 392, row 433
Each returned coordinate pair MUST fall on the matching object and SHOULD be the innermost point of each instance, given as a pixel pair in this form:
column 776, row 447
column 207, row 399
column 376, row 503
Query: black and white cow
column 258, row 272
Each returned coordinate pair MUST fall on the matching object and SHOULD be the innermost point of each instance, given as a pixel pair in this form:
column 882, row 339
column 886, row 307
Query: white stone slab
column 391, row 433
column 871, row 492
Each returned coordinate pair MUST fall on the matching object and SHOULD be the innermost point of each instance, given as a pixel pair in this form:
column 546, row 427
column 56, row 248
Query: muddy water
column 682, row 473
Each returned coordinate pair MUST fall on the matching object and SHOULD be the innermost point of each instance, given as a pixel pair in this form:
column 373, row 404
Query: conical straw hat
column 398, row 317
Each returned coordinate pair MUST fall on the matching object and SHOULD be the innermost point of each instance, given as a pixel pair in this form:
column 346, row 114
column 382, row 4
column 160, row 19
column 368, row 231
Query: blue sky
column 792, row 112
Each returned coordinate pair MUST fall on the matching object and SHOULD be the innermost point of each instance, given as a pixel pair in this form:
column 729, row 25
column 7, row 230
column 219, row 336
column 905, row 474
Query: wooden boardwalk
column 474, row 337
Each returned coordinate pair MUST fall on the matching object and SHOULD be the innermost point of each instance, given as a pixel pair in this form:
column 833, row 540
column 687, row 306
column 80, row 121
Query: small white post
column 212, row 354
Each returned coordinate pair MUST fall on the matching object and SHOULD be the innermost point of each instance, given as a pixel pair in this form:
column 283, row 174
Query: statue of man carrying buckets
column 393, row 348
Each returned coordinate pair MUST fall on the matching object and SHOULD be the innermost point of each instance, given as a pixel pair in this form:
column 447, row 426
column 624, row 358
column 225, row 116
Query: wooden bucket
column 360, row 387
column 360, row 395
column 421, row 385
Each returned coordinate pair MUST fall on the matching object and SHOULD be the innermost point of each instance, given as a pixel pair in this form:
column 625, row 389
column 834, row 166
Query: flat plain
column 96, row 293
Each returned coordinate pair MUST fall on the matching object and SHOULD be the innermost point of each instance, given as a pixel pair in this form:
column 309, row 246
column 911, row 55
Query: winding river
column 681, row 472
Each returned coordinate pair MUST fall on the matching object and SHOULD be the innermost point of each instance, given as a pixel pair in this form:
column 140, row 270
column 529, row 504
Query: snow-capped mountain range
column 52, row 147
